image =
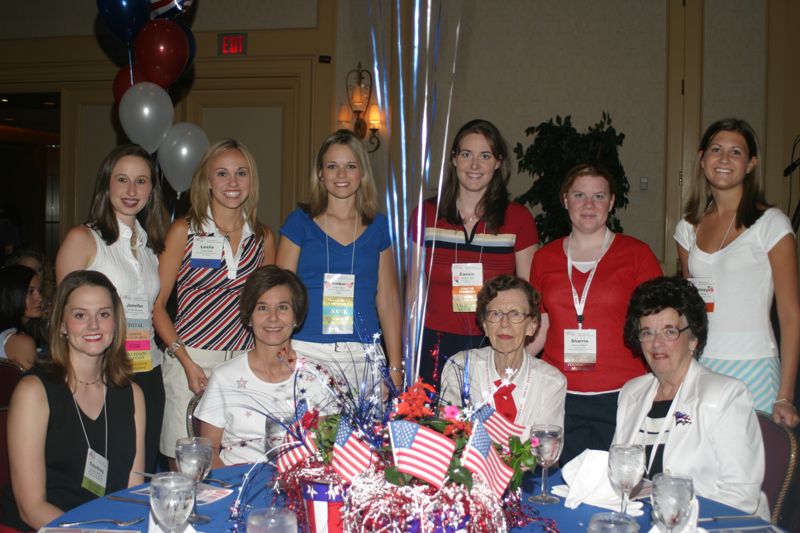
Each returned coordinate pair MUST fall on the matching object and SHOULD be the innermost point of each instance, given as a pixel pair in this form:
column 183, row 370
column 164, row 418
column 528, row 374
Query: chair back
column 5, row 471
column 10, row 374
column 780, row 448
column 193, row 424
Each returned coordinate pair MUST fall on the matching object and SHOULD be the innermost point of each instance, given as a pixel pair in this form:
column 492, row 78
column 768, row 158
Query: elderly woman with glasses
column 691, row 421
column 503, row 375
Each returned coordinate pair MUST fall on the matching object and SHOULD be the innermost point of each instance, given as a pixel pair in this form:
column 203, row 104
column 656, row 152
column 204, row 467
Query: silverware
column 126, row 499
column 728, row 517
column 120, row 523
column 223, row 484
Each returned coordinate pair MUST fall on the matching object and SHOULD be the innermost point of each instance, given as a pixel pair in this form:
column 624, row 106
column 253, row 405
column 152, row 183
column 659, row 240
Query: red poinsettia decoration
column 415, row 402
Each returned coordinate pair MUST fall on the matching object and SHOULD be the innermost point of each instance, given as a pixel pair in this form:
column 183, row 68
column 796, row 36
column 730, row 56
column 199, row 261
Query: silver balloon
column 181, row 151
column 146, row 114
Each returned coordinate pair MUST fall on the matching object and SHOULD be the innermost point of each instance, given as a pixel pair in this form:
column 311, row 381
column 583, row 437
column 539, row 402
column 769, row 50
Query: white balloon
column 180, row 152
column 146, row 113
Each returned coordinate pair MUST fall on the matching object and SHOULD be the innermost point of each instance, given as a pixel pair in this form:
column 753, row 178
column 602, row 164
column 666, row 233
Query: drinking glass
column 171, row 499
column 612, row 523
column 193, row 455
column 271, row 520
column 672, row 500
column 625, row 469
column 550, row 441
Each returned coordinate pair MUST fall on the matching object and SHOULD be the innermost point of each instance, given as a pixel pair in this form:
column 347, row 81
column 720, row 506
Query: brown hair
column 265, row 278
column 200, row 189
column 507, row 282
column 116, row 366
column 594, row 170
column 366, row 196
column 752, row 203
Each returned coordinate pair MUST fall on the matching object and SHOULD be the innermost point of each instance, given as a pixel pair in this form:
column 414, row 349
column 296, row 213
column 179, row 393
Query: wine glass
column 672, row 500
column 271, row 520
column 625, row 469
column 171, row 499
column 546, row 441
column 194, row 459
column 612, row 523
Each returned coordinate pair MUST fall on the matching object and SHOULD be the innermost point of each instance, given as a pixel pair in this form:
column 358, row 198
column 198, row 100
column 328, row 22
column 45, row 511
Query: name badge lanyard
column 105, row 422
column 580, row 303
column 668, row 421
column 327, row 250
column 468, row 241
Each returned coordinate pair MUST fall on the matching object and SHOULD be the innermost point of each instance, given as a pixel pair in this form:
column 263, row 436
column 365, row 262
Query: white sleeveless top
column 132, row 276
column 4, row 335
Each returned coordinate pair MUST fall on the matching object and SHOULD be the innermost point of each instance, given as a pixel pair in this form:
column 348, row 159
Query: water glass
column 548, row 440
column 271, row 520
column 193, row 455
column 612, row 523
column 672, row 500
column 625, row 469
column 171, row 499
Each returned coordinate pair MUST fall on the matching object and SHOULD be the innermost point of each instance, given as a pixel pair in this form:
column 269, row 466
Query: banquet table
column 259, row 495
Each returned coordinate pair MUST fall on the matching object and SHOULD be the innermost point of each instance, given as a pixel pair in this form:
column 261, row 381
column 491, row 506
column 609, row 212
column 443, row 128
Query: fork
column 223, row 484
column 119, row 523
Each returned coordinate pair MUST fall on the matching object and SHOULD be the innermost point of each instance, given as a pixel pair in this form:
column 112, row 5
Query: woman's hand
column 195, row 376
column 785, row 413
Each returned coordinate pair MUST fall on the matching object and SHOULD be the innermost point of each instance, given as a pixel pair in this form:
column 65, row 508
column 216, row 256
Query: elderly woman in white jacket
column 691, row 420
column 522, row 388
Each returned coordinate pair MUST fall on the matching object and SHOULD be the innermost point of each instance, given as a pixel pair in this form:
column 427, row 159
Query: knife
column 129, row 500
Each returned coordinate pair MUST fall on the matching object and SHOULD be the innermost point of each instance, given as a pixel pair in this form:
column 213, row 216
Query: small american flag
column 481, row 458
column 351, row 455
column 294, row 449
column 682, row 418
column 500, row 429
column 420, row 451
column 168, row 8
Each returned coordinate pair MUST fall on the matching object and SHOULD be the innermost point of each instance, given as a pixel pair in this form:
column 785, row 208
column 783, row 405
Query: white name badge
column 467, row 282
column 580, row 349
column 338, row 295
column 137, row 307
column 95, row 473
column 705, row 286
column 207, row 251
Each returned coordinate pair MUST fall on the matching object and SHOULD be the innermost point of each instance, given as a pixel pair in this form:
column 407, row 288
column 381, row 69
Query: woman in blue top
column 339, row 246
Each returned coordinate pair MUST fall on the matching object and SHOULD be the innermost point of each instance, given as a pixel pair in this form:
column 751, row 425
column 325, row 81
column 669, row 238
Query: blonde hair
column 200, row 190
column 366, row 196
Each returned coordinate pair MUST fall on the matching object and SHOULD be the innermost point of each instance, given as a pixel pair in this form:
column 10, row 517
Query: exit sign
column 232, row 44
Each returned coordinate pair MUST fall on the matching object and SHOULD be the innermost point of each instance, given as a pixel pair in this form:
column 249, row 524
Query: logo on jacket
column 682, row 418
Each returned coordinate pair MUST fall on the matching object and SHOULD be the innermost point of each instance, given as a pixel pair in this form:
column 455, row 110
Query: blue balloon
column 125, row 17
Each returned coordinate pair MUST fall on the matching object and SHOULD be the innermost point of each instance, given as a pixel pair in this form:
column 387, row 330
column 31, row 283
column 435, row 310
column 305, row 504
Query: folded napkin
column 691, row 524
column 587, row 482
column 153, row 527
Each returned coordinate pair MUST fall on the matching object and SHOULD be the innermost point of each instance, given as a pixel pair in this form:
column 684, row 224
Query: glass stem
column 544, row 481
column 194, row 507
column 624, row 501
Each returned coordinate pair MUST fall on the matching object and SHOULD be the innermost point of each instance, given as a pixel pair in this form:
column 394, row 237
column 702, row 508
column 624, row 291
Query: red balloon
column 162, row 51
column 122, row 82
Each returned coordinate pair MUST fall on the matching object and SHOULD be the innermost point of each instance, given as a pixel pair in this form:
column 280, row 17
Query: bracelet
column 397, row 369
column 784, row 400
column 172, row 348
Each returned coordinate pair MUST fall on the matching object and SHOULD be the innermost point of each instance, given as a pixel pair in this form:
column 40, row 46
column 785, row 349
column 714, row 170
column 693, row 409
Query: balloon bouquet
column 160, row 50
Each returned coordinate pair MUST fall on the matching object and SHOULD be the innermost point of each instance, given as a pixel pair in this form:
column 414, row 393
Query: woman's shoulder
column 476, row 355
column 543, row 369
column 81, row 237
column 551, row 249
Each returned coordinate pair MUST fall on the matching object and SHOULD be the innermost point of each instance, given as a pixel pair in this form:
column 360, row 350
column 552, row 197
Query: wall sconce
column 358, row 84
column 374, row 126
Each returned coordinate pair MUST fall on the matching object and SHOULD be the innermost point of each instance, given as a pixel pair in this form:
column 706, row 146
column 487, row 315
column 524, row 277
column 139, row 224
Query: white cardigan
column 720, row 447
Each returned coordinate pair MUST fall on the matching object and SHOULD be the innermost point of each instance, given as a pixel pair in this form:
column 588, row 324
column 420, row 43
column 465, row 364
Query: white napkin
column 153, row 527
column 691, row 524
column 587, row 482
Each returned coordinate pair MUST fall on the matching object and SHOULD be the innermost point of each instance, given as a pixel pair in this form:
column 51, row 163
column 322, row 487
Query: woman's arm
column 169, row 263
column 783, row 262
column 27, row 431
column 388, row 304
column 21, row 349
column 139, row 413
column 215, row 435
column 76, row 252
column 288, row 254
column 523, row 260
column 269, row 247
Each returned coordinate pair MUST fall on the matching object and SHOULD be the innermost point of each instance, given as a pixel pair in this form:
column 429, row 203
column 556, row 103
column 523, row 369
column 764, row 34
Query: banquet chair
column 193, row 424
column 10, row 374
column 5, row 472
column 780, row 448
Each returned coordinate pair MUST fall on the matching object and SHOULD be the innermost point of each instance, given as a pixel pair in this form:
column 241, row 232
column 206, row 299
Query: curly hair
column 507, row 282
column 266, row 278
column 661, row 293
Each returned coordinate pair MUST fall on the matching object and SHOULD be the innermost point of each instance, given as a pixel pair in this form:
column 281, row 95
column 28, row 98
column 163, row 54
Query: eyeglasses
column 515, row 317
column 668, row 334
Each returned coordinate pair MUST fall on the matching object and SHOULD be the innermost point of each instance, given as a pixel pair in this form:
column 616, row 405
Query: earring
column 294, row 324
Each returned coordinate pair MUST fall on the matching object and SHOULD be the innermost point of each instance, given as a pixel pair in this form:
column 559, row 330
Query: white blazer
column 541, row 389
column 719, row 445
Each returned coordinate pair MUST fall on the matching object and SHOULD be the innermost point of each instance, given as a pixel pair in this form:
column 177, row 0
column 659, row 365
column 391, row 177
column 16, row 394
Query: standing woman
column 76, row 422
column 340, row 247
column 20, row 304
column 474, row 234
column 586, row 280
column 739, row 251
column 123, row 235
column 209, row 255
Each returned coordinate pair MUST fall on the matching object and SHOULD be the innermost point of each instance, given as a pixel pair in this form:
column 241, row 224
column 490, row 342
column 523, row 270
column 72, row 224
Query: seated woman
column 78, row 415
column 524, row 389
column 691, row 420
column 251, row 400
column 20, row 303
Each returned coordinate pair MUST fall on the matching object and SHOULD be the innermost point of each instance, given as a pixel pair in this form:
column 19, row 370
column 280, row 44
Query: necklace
column 226, row 233
column 467, row 219
column 87, row 383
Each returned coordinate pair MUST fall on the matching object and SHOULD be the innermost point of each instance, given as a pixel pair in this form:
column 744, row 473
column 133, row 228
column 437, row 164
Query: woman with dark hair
column 121, row 238
column 740, row 251
column 20, row 303
column 208, row 257
column 691, row 421
column 585, row 280
column 76, row 422
column 340, row 246
column 523, row 389
column 261, row 388
column 473, row 234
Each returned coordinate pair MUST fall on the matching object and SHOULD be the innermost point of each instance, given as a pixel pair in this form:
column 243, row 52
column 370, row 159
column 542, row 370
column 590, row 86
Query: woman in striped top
column 209, row 255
